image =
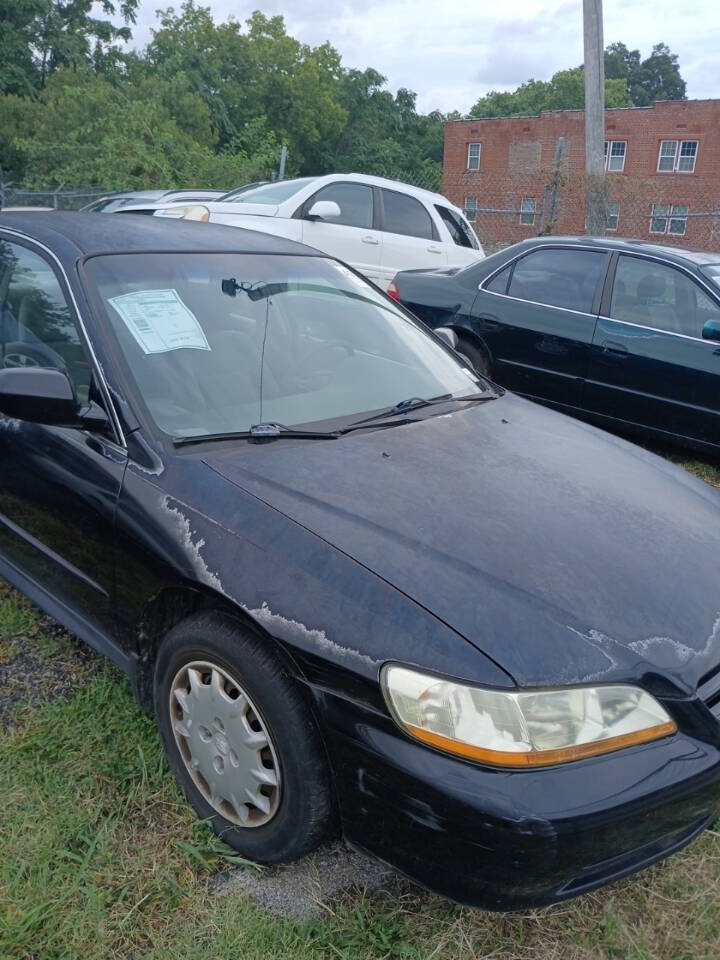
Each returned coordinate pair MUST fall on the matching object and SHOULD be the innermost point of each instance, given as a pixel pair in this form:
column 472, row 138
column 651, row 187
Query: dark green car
column 620, row 332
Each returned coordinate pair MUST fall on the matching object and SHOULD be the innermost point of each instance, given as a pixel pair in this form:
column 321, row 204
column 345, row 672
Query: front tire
column 241, row 739
column 475, row 356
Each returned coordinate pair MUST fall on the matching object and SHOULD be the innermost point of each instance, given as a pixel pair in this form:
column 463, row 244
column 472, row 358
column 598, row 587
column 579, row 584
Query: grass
column 101, row 858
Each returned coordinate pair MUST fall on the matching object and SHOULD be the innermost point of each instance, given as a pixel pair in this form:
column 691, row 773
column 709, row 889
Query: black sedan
column 623, row 333
column 363, row 589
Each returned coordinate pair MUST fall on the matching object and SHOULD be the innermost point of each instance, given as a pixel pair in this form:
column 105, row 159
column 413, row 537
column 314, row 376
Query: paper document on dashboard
column 159, row 321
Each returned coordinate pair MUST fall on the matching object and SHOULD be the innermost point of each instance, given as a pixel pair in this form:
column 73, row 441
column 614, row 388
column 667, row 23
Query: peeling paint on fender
column 192, row 547
column 293, row 631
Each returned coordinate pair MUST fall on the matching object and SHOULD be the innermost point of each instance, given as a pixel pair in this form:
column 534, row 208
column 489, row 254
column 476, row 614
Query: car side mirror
column 44, row 395
column 448, row 336
column 711, row 330
column 323, row 210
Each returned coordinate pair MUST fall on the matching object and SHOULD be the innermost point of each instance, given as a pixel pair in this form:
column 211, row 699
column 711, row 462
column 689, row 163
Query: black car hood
column 565, row 554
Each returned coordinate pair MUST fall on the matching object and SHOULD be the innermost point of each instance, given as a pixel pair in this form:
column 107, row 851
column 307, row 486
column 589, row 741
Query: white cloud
column 453, row 52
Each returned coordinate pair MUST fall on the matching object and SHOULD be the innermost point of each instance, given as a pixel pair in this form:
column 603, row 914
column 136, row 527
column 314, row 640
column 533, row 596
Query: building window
column 473, row 162
column 612, row 213
column 669, row 218
column 527, row 211
column 471, row 208
column 615, row 151
column 677, row 156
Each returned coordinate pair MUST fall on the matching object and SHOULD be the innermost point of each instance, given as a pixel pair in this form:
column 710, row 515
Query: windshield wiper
column 416, row 403
column 260, row 432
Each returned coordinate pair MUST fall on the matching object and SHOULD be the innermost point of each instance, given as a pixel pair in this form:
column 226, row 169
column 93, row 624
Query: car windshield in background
column 270, row 193
column 712, row 272
column 217, row 343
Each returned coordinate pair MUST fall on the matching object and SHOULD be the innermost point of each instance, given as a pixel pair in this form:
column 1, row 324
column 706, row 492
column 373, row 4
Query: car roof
column 408, row 188
column 87, row 233
column 697, row 257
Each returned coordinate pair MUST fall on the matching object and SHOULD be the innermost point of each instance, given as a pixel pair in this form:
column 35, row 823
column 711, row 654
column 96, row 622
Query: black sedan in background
column 621, row 332
column 363, row 589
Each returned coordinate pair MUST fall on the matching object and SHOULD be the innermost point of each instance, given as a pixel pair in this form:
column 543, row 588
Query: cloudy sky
column 450, row 52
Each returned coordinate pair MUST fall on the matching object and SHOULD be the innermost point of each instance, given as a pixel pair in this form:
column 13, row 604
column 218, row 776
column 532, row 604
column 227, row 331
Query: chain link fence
column 56, row 198
column 505, row 209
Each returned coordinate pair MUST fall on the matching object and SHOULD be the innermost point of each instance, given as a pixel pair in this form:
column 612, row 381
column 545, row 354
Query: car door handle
column 616, row 349
column 373, row 240
column 433, row 249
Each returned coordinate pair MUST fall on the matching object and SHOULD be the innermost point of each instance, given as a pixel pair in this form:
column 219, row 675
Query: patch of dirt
column 303, row 890
column 35, row 676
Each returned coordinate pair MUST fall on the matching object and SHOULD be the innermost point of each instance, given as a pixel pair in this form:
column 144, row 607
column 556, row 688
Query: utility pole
column 595, row 199
column 283, row 158
column 557, row 168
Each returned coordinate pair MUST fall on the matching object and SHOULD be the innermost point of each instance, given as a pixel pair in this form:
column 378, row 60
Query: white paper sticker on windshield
column 159, row 321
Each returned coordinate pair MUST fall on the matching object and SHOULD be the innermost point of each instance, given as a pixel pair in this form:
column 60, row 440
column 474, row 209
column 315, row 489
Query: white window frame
column 470, row 209
column 609, row 216
column 677, row 156
column 524, row 211
column 609, row 156
column 672, row 214
column 475, row 165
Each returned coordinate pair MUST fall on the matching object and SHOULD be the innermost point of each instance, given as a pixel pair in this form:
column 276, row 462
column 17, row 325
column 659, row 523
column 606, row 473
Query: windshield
column 100, row 205
column 712, row 272
column 271, row 193
column 218, row 342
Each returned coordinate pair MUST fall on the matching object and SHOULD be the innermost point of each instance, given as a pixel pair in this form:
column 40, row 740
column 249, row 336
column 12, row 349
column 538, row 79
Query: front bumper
column 506, row 840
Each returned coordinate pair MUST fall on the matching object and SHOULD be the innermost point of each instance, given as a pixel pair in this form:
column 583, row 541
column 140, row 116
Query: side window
column 36, row 326
column 459, row 230
column 560, row 278
column 406, row 215
column 499, row 282
column 654, row 294
column 355, row 201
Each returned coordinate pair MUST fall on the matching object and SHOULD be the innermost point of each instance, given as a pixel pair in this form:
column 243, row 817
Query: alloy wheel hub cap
column 224, row 744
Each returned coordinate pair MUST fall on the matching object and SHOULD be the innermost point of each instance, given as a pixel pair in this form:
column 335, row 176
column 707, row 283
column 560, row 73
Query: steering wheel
column 22, row 354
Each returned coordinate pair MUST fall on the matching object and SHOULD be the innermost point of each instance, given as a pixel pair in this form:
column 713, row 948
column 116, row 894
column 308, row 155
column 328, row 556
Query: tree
column 84, row 130
column 18, row 72
column 656, row 78
column 620, row 62
column 628, row 81
column 564, row 91
column 204, row 103
column 37, row 37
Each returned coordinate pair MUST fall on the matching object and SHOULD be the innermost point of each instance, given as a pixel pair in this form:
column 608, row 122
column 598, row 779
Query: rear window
column 499, row 282
column 460, row 230
column 406, row 215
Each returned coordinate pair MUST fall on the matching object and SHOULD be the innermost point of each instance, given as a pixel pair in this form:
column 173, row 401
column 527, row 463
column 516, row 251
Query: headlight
column 195, row 211
column 517, row 729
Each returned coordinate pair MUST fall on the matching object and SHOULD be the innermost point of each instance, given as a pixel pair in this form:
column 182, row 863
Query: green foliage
column 564, row 91
column 40, row 36
column 656, row 78
column 628, row 82
column 211, row 104
column 205, row 104
column 83, row 129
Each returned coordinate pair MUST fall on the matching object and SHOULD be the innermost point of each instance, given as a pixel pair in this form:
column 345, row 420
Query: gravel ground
column 303, row 890
column 32, row 675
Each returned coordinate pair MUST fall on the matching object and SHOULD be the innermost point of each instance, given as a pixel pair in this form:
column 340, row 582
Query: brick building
column 663, row 180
